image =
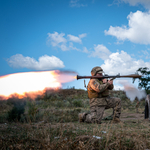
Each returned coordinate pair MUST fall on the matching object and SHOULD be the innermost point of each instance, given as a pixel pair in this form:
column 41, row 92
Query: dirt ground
column 128, row 116
column 132, row 116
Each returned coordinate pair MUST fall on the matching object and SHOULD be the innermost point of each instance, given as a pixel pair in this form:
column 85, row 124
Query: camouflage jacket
column 98, row 89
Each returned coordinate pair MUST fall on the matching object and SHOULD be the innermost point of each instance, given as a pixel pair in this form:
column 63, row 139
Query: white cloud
column 44, row 62
column 72, row 47
column 122, row 63
column 145, row 54
column 76, row 3
column 74, row 38
column 85, row 50
column 82, row 35
column 56, row 38
column 145, row 3
column 63, row 47
column 101, row 52
column 137, row 31
column 59, row 40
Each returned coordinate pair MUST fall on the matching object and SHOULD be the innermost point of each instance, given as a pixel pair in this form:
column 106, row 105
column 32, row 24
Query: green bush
column 15, row 113
column 31, row 110
column 3, row 117
column 59, row 103
column 77, row 103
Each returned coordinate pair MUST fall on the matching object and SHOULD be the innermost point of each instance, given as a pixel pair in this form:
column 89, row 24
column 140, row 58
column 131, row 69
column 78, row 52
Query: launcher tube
column 117, row 76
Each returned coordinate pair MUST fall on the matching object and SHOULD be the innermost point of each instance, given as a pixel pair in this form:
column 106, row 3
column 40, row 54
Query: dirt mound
column 65, row 93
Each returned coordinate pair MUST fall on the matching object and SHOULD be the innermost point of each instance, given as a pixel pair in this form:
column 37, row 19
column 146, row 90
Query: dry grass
column 52, row 123
column 75, row 136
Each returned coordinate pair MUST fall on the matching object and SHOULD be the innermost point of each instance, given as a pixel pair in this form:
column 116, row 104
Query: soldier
column 98, row 93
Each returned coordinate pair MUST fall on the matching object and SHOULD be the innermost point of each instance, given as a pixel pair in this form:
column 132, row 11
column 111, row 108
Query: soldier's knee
column 118, row 100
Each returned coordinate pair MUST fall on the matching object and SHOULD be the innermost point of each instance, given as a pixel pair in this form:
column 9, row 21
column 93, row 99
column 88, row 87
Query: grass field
column 51, row 122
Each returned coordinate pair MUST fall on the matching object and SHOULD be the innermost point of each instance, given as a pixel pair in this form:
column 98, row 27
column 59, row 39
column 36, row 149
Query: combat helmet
column 96, row 70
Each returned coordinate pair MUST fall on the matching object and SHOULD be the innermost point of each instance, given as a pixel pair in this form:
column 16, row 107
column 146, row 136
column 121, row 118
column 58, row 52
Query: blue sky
column 74, row 35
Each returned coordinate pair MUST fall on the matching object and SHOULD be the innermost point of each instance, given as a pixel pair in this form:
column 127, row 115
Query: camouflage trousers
column 97, row 107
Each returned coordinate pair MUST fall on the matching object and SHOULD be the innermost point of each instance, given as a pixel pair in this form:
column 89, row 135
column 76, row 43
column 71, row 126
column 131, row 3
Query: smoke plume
column 132, row 92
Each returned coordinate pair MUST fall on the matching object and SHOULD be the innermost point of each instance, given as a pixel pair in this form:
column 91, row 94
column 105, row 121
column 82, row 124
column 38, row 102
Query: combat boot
column 81, row 117
column 117, row 120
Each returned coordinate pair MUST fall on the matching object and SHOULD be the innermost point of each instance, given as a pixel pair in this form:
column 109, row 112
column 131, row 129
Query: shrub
column 32, row 110
column 15, row 113
column 77, row 103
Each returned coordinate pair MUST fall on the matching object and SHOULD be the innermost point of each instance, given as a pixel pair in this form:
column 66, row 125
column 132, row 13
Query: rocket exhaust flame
column 132, row 92
column 33, row 83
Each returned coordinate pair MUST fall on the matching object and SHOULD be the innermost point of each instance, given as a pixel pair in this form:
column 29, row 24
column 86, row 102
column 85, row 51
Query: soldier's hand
column 104, row 80
column 110, row 81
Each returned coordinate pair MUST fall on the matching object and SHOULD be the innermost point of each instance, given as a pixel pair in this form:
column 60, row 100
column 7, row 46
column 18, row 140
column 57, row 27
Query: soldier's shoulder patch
column 94, row 83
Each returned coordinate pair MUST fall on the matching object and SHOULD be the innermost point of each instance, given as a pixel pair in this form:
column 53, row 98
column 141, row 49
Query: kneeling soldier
column 98, row 93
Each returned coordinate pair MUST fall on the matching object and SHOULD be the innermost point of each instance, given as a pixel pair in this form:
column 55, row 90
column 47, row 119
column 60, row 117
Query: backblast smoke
column 132, row 92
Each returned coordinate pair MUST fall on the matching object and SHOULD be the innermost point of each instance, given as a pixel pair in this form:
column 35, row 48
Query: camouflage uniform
column 98, row 93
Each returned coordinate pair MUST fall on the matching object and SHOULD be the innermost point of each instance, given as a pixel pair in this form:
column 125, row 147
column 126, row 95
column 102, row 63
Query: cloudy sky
column 74, row 35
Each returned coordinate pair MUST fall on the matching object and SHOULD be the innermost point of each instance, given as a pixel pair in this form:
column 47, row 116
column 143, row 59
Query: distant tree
column 144, row 81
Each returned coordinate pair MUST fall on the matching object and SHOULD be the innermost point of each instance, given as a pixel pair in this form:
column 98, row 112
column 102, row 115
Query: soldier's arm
column 98, row 87
column 110, row 87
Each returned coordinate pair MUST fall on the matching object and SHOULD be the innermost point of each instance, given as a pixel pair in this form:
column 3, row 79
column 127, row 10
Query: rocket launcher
column 107, row 76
